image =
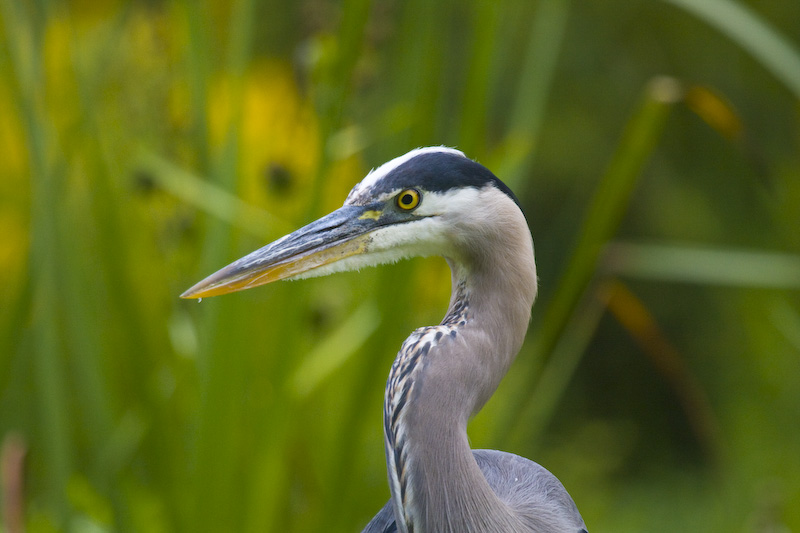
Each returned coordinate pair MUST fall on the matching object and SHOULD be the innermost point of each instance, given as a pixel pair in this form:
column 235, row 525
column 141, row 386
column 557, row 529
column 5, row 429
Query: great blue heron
column 436, row 201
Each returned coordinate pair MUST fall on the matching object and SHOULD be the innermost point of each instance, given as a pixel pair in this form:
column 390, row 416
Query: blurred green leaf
column 332, row 352
column 706, row 266
column 771, row 49
column 211, row 199
column 609, row 205
column 522, row 138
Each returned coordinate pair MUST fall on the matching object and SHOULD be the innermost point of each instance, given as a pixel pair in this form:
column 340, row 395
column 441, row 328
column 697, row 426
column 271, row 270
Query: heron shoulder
column 527, row 487
column 531, row 491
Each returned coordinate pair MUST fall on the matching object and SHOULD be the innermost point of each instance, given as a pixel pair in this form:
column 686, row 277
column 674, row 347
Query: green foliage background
column 145, row 144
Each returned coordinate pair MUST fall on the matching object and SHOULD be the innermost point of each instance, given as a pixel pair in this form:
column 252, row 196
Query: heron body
column 435, row 201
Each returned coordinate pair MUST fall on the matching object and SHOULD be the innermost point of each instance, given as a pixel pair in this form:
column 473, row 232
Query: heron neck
column 497, row 309
column 448, row 372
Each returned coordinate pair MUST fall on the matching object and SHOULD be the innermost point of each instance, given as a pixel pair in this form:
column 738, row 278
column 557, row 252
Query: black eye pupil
column 407, row 199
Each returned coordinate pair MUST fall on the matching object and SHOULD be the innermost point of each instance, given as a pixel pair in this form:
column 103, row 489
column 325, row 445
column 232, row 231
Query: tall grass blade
column 199, row 76
column 333, row 88
column 527, row 113
column 218, row 441
column 211, row 199
column 56, row 446
column 475, row 104
column 332, row 352
column 608, row 206
column 745, row 28
column 555, row 375
column 704, row 265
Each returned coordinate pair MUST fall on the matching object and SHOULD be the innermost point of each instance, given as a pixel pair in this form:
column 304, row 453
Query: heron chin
column 436, row 201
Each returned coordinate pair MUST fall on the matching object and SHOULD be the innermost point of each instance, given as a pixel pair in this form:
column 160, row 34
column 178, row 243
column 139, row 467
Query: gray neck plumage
column 441, row 377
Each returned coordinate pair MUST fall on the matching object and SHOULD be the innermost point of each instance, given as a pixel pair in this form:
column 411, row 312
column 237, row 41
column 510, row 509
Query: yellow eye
column 408, row 199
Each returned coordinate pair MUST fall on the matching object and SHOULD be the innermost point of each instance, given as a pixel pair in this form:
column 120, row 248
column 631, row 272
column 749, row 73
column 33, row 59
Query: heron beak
column 341, row 234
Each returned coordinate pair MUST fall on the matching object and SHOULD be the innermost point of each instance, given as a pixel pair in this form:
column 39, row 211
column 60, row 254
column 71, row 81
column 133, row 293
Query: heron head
column 430, row 201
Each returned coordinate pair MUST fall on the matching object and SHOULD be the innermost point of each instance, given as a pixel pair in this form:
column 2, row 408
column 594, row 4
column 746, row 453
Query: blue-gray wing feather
column 383, row 522
column 529, row 489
